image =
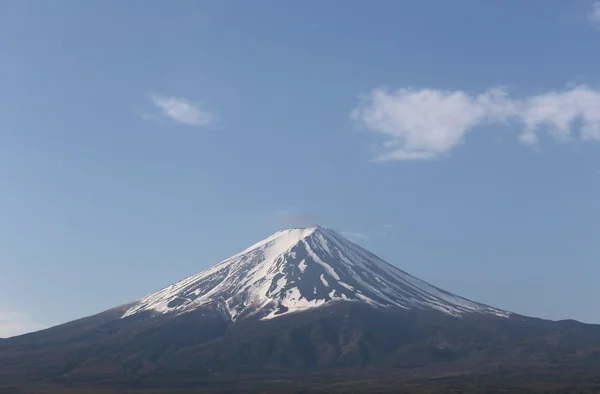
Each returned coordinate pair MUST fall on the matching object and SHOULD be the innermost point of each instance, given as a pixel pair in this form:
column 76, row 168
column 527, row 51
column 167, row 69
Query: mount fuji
column 299, row 269
column 302, row 302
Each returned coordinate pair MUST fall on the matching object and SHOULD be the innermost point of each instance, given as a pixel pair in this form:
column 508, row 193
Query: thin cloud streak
column 355, row 235
column 182, row 110
column 594, row 15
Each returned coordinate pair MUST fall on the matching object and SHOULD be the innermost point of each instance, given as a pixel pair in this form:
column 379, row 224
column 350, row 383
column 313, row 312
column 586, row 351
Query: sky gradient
column 141, row 142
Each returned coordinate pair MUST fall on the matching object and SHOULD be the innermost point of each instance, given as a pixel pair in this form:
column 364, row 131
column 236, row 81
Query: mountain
column 305, row 306
column 299, row 269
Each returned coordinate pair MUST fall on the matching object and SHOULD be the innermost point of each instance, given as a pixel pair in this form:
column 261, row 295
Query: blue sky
column 141, row 142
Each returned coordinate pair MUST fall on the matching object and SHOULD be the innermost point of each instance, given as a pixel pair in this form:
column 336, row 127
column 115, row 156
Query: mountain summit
column 298, row 269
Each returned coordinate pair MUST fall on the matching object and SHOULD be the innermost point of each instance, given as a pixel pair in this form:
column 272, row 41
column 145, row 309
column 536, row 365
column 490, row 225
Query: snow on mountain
column 298, row 269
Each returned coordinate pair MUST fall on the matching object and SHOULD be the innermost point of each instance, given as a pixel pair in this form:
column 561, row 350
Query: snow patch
column 324, row 281
column 281, row 282
column 302, row 266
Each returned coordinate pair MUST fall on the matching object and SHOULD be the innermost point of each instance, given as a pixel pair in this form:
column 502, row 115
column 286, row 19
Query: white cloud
column 558, row 111
column 428, row 123
column 182, row 110
column 14, row 323
column 595, row 13
column 423, row 124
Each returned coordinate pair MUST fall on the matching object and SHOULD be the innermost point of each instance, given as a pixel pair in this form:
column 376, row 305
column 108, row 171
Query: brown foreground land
column 528, row 383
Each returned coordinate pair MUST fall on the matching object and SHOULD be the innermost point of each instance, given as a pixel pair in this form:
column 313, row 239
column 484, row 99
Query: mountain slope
column 299, row 269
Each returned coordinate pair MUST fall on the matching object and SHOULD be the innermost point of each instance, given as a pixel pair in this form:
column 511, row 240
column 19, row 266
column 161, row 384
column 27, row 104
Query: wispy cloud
column 14, row 323
column 420, row 124
column 292, row 219
column 355, row 235
column 594, row 14
column 181, row 110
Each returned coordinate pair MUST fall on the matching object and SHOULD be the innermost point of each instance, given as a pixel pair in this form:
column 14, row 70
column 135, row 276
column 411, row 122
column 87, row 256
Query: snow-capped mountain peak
column 299, row 269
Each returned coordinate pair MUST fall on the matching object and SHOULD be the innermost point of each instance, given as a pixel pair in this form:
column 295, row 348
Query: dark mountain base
column 345, row 347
